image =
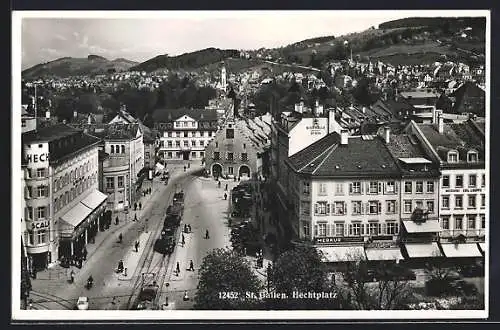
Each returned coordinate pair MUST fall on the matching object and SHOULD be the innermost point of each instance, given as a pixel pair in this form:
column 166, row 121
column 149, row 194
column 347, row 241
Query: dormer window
column 472, row 157
column 452, row 157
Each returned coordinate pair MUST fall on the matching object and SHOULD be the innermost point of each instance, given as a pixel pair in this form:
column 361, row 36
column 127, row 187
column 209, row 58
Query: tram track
column 50, row 298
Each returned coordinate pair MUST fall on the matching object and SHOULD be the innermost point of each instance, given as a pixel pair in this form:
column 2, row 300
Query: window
column 458, row 222
column 472, row 157
column 374, row 207
column 28, row 173
column 339, row 208
column 216, row 155
column 120, row 181
column 452, row 157
column 23, row 123
column 472, row 180
column 390, row 187
column 185, row 134
column 355, row 188
column 445, row 222
column 169, row 154
column 472, row 202
column 169, row 144
column 123, row 149
column 306, row 229
column 459, row 181
column 446, row 202
column 177, row 124
column 230, row 156
column 230, row 133
column 483, row 180
column 169, row 134
column 202, row 154
column 430, row 186
column 216, row 144
column 177, row 134
column 193, row 154
column 446, row 181
column 408, row 187
column 373, row 228
column 230, row 170
column 339, row 229
column 184, row 124
column 483, row 201
column 41, row 237
column 40, row 173
column 458, row 202
column 392, row 228
column 419, row 187
column 28, row 193
column 355, row 229
column 483, row 221
column 29, row 213
column 391, row 207
column 110, row 183
column 193, row 143
column 112, row 149
column 339, row 189
column 373, row 187
column 305, row 208
column 41, row 191
column 430, row 206
column 321, row 229
column 41, row 212
column 471, row 221
column 244, row 156
column 178, row 144
column 322, row 189
column 186, row 143
column 306, row 186
column 356, row 207
column 407, row 206
column 202, row 143
column 321, row 208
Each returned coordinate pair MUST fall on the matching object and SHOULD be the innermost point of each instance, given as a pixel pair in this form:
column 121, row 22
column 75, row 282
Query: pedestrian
column 136, row 246
column 72, row 276
column 234, row 178
column 120, row 238
column 206, row 234
column 135, row 217
column 218, row 184
column 225, row 196
column 182, row 239
column 135, row 206
column 191, row 265
column 84, row 254
column 140, row 206
column 189, row 228
column 178, row 268
column 189, row 165
column 185, row 228
column 226, row 187
column 117, row 221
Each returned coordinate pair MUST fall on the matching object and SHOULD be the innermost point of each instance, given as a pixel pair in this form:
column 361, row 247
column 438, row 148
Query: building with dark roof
column 184, row 133
column 469, row 98
column 459, row 149
column 63, row 206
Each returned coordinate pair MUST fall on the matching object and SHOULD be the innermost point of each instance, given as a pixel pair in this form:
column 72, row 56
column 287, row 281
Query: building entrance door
column 185, row 155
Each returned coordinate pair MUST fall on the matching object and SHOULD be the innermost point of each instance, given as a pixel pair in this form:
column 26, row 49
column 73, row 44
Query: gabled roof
column 49, row 133
column 361, row 157
column 116, row 131
column 168, row 115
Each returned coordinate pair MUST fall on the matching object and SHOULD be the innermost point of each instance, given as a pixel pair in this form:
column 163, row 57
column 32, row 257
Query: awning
column 429, row 226
column 342, row 253
column 384, row 254
column 94, row 199
column 459, row 250
column 423, row 250
column 482, row 246
column 76, row 215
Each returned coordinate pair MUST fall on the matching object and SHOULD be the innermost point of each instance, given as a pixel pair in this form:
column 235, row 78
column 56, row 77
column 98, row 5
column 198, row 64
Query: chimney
column 387, row 134
column 47, row 114
column 440, row 123
column 333, row 125
column 344, row 137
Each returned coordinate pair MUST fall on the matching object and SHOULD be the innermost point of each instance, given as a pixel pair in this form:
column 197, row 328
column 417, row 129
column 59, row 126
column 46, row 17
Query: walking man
column 189, row 228
column 120, row 238
column 136, row 246
column 226, row 187
column 178, row 268
column 135, row 206
column 225, row 196
column 72, row 276
column 140, row 206
column 191, row 265
column 117, row 221
column 206, row 234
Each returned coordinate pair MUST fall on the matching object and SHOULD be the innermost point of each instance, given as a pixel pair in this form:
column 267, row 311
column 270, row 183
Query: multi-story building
column 237, row 149
column 63, row 207
column 345, row 192
column 459, row 149
column 28, row 121
column 122, row 166
column 184, row 132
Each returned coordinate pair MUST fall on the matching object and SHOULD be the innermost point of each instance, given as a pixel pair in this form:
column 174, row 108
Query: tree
column 224, row 272
column 389, row 290
column 301, row 270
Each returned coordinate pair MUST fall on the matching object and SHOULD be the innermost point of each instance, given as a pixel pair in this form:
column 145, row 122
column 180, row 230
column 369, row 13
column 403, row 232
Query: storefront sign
column 464, row 190
column 382, row 245
column 35, row 158
column 382, row 238
column 329, row 240
column 315, row 128
column 40, row 224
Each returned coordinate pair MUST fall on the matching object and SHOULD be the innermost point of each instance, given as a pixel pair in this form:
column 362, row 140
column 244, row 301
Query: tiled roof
column 116, row 131
column 168, row 115
column 49, row 133
column 361, row 157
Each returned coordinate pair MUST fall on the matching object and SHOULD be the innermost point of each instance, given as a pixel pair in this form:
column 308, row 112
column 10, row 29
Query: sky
column 140, row 36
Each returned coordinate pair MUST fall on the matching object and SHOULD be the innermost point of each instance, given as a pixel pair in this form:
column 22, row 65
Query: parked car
column 82, row 303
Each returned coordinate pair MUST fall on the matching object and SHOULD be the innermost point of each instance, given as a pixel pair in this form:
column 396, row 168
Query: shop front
column 337, row 251
column 38, row 245
column 383, row 249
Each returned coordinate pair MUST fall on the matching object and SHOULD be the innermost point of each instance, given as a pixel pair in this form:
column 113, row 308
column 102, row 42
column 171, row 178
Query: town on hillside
column 260, row 181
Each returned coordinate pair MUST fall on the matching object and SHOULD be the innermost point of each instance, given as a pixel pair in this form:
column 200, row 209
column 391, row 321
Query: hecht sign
column 37, row 158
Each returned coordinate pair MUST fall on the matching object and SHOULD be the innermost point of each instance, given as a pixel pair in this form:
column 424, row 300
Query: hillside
column 192, row 60
column 70, row 66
